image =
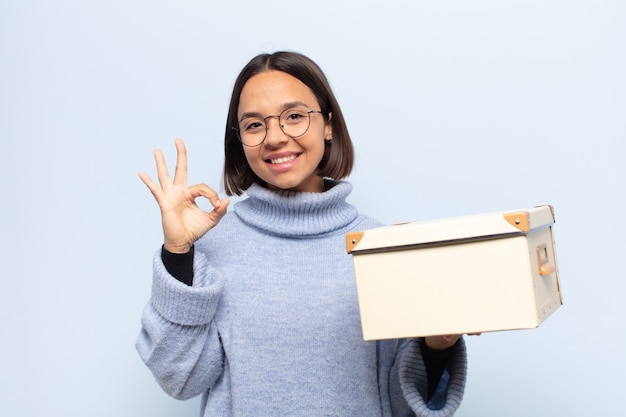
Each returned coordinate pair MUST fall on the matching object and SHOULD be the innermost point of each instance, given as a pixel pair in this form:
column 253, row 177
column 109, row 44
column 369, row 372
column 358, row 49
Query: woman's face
column 281, row 161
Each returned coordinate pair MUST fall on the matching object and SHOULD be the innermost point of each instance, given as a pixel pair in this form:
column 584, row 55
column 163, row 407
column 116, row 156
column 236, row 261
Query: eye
column 251, row 125
column 295, row 116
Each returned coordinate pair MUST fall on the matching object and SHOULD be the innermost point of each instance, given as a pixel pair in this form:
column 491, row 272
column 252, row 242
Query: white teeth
column 283, row 160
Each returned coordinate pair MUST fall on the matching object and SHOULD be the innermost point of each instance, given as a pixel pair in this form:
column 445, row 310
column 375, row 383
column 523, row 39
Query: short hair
column 338, row 158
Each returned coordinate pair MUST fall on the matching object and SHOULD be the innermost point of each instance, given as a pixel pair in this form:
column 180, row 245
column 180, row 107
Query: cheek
column 254, row 161
column 252, row 155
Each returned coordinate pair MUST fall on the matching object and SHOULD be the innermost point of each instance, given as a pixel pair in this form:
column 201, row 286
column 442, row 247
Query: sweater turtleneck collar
column 298, row 214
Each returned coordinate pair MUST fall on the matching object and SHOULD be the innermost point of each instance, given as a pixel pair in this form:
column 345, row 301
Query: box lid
column 451, row 230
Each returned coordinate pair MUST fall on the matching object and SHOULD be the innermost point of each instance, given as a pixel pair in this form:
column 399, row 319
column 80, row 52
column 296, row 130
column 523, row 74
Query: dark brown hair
column 338, row 157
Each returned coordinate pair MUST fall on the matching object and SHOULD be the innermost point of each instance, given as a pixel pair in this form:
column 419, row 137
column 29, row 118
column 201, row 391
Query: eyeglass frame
column 238, row 130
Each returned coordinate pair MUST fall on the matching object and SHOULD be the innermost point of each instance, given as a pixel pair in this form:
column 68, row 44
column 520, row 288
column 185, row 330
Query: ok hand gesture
column 183, row 221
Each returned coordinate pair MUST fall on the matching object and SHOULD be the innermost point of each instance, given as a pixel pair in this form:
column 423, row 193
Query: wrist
column 176, row 249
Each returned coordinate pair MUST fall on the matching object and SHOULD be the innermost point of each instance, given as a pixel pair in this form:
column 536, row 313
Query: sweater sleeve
column 408, row 382
column 179, row 341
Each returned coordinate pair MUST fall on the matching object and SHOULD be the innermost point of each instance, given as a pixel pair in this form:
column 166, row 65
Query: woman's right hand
column 183, row 221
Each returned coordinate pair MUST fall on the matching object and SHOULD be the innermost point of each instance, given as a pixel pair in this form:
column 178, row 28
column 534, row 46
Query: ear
column 328, row 127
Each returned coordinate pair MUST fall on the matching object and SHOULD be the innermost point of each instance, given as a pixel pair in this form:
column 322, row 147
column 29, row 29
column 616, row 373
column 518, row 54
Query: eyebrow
column 285, row 106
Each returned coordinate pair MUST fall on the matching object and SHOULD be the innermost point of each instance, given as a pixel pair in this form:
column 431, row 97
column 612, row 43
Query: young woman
column 257, row 309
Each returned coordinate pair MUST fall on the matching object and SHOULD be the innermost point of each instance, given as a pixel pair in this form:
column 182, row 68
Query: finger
column 180, row 174
column 152, row 186
column 219, row 205
column 162, row 174
column 203, row 190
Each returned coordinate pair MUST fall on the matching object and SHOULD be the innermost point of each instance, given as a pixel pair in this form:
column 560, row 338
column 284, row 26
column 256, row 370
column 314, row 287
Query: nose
column 275, row 135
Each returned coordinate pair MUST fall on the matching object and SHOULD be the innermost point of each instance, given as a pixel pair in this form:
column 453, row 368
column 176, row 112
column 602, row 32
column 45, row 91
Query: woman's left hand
column 441, row 342
column 444, row 342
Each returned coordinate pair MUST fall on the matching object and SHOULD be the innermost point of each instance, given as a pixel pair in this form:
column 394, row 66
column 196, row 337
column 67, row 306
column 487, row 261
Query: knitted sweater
column 271, row 324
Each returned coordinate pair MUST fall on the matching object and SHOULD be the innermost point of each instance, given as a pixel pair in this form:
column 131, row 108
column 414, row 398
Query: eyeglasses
column 294, row 123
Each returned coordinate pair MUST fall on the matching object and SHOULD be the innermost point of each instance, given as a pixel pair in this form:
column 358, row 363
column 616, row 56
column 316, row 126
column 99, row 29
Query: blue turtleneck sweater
column 270, row 326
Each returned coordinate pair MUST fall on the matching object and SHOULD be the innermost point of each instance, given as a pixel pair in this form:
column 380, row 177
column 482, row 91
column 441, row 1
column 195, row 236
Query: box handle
column 545, row 266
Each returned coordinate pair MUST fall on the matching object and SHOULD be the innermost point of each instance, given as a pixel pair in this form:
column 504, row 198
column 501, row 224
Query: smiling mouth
column 283, row 160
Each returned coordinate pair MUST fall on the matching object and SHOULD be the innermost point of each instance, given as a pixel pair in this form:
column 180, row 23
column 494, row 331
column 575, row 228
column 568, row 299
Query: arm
column 436, row 361
column 179, row 341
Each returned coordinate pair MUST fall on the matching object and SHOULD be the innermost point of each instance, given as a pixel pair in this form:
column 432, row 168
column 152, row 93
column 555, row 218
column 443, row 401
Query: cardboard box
column 469, row 274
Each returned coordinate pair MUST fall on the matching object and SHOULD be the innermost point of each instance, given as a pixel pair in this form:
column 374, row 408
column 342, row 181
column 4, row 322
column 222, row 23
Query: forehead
column 270, row 91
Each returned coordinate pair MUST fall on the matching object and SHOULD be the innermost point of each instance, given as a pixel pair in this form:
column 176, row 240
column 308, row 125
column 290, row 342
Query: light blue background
column 455, row 107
